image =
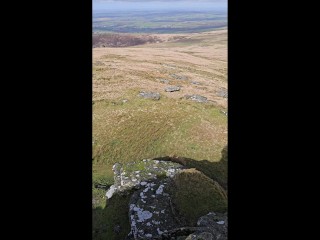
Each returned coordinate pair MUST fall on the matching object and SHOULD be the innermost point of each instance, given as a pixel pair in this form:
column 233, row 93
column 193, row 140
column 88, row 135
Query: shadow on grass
column 111, row 222
column 218, row 171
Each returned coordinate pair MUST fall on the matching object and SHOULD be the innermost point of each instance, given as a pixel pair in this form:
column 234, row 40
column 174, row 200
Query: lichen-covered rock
column 151, row 213
column 134, row 175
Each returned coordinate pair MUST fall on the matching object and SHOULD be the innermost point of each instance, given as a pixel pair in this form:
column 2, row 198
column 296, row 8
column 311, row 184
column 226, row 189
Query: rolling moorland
column 187, row 118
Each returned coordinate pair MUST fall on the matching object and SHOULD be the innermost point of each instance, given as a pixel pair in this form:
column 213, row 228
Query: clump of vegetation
column 194, row 195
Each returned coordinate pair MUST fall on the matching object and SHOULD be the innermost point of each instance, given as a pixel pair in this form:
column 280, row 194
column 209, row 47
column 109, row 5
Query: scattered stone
column 196, row 98
column 101, row 186
column 175, row 76
column 224, row 112
column 196, row 83
column 169, row 66
column 99, row 63
column 223, row 93
column 150, row 95
column 111, row 191
column 164, row 81
column 172, row 89
column 125, row 100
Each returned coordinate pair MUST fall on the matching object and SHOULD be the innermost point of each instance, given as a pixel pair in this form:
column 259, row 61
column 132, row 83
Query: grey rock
column 168, row 65
column 172, row 89
column 150, row 212
column 223, row 93
column 99, row 63
column 126, row 177
column 197, row 98
column 150, row 95
column 196, row 83
column 178, row 77
column 164, row 81
column 215, row 224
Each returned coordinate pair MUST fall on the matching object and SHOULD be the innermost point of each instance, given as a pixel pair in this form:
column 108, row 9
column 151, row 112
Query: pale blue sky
column 159, row 5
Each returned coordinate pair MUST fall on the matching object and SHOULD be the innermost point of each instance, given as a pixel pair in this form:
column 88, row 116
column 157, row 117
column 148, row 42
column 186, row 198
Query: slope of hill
column 189, row 121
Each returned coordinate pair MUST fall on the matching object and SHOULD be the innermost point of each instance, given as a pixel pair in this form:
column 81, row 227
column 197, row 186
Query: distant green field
column 173, row 22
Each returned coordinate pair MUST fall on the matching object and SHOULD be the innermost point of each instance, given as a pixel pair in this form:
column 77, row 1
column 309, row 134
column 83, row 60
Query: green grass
column 140, row 129
column 104, row 219
column 194, row 195
column 144, row 128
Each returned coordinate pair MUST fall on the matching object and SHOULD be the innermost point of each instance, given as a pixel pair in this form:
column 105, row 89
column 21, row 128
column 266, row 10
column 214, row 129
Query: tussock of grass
column 194, row 195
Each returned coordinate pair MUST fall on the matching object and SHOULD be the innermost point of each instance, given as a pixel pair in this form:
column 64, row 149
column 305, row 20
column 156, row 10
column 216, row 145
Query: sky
column 118, row 5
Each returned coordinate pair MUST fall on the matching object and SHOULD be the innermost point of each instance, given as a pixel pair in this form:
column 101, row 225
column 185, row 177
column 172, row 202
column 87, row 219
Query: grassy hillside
column 127, row 127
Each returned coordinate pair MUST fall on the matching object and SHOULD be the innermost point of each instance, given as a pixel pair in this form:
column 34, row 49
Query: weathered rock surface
column 211, row 227
column 150, row 95
column 151, row 213
column 172, row 89
column 197, row 98
column 134, row 175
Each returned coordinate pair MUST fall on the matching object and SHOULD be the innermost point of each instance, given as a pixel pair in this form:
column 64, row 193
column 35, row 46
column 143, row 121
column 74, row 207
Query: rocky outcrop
column 135, row 175
column 164, row 201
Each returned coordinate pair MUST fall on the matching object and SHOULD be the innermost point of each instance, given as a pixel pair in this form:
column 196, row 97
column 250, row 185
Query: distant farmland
column 158, row 22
